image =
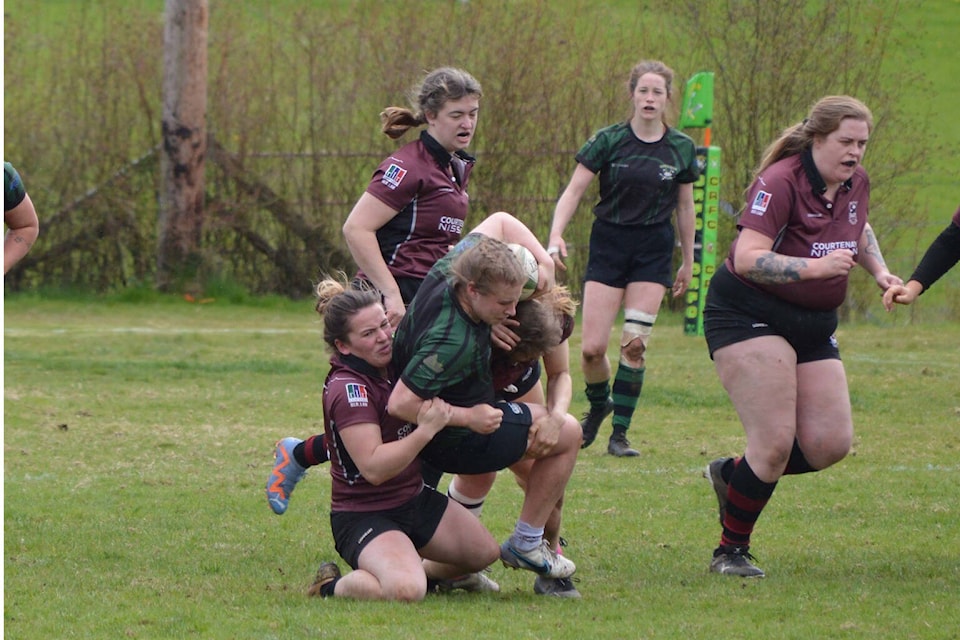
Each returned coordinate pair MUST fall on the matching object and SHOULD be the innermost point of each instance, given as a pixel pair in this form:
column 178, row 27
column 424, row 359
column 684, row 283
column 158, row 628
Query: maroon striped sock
column 312, row 451
column 747, row 495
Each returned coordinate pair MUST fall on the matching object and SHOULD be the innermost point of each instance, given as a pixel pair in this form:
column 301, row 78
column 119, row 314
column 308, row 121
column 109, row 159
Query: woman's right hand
column 393, row 305
column 484, row 418
column 503, row 336
column 901, row 294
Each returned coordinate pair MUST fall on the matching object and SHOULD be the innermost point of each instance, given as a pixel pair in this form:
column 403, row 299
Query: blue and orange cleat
column 286, row 473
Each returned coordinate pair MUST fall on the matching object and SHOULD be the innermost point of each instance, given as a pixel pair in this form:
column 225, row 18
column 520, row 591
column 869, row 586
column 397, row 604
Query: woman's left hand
column 434, row 414
column 544, row 435
column 684, row 276
column 885, row 280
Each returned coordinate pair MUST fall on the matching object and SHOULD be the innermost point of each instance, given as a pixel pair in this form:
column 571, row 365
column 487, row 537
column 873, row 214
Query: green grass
column 931, row 28
column 138, row 437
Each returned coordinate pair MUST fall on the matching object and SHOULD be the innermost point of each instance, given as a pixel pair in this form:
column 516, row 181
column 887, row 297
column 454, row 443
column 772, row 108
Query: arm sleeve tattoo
column 772, row 268
column 873, row 247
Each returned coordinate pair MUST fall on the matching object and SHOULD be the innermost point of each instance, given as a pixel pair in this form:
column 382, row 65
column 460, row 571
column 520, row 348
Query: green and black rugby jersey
column 13, row 191
column 639, row 181
column 439, row 350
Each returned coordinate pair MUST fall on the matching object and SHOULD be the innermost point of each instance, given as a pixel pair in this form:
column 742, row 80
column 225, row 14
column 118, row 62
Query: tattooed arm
column 23, row 227
column 755, row 260
column 871, row 259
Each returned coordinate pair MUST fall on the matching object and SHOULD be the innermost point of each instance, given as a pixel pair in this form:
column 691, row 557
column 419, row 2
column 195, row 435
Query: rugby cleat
column 542, row 560
column 286, row 473
column 714, row 474
column 735, row 561
column 592, row 420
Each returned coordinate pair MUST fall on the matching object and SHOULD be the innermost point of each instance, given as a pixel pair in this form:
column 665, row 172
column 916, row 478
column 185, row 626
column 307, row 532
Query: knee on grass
column 404, row 589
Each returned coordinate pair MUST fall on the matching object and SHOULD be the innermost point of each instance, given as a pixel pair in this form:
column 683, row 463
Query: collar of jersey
column 813, row 175
column 441, row 155
column 359, row 365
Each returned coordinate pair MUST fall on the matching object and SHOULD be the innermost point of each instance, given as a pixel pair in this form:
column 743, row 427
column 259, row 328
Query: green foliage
column 775, row 59
column 138, row 438
column 295, row 89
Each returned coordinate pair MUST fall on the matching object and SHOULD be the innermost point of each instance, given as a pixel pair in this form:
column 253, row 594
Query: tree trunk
column 184, row 144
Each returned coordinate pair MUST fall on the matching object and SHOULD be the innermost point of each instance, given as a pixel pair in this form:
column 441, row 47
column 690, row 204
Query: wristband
column 553, row 250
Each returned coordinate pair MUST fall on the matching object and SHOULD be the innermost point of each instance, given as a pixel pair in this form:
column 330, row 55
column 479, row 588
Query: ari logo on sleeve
column 393, row 176
column 760, row 203
column 357, row 394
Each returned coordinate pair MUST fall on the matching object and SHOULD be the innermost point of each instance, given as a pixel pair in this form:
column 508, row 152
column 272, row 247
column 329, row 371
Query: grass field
column 138, row 437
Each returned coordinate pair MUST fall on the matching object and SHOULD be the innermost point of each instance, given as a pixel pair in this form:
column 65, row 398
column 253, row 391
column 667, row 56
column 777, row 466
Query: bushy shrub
column 294, row 97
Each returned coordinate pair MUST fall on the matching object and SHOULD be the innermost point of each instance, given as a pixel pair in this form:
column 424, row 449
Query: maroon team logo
column 760, row 203
column 357, row 394
column 393, row 176
column 852, row 212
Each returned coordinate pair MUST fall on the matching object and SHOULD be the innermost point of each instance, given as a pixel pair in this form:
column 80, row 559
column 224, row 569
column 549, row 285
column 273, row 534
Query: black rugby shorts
column 735, row 312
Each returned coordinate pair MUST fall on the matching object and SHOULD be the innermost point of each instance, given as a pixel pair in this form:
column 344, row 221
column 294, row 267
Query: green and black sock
column 597, row 394
column 626, row 394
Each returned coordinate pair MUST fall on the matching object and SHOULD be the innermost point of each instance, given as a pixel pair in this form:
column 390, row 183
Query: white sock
column 473, row 505
column 526, row 537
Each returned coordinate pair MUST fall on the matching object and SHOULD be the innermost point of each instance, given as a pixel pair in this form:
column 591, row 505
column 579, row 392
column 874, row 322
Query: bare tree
column 184, row 149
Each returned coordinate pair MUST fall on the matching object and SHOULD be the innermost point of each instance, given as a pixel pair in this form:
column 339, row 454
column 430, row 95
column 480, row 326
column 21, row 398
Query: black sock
column 797, row 463
column 726, row 471
column 312, row 451
column 326, row 591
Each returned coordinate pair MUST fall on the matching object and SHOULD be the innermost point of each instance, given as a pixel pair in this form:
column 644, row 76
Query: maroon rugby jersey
column 786, row 204
column 355, row 393
column 427, row 186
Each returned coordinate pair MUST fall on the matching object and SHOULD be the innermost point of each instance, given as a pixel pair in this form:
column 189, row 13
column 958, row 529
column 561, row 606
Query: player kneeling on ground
column 395, row 532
